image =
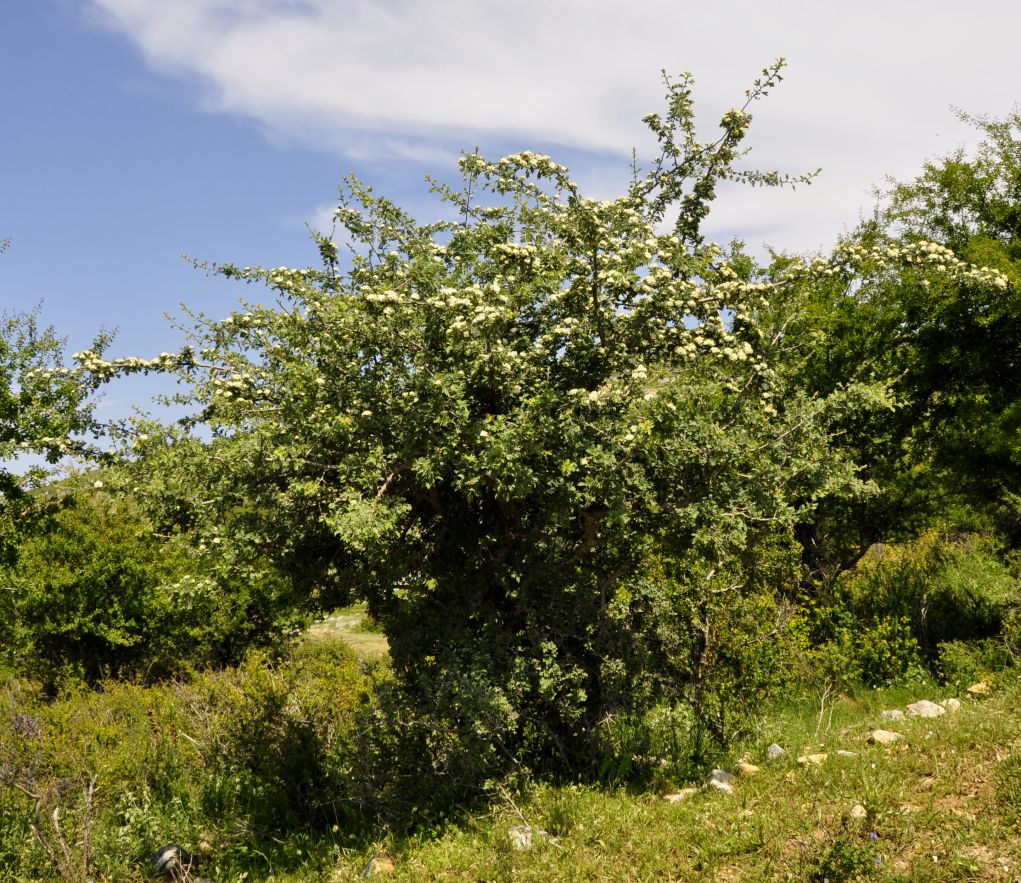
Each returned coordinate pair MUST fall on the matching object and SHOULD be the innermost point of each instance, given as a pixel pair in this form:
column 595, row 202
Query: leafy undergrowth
column 243, row 766
column 255, row 770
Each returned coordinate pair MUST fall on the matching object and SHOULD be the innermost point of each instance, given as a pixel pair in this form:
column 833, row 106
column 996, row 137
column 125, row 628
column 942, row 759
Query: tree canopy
column 557, row 443
column 947, row 349
column 566, row 448
column 46, row 411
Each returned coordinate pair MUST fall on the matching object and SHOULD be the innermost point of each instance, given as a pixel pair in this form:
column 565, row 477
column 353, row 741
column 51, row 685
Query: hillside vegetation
column 486, row 533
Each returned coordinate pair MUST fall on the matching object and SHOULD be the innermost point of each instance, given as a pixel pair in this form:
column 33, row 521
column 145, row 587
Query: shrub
column 951, row 588
column 484, row 426
column 234, row 758
column 97, row 593
column 912, row 605
column 722, row 639
column 874, row 652
column 274, row 742
column 846, row 860
column 961, row 663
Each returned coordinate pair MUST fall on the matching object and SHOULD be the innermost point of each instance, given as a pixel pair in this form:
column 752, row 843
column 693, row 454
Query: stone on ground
column 520, row 837
column 774, row 752
column 925, row 708
column 680, row 796
column 883, row 737
column 721, row 780
column 173, row 861
column 894, row 714
column 380, row 866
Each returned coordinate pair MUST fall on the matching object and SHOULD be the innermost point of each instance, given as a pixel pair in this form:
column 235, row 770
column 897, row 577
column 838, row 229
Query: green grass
column 201, row 763
column 353, row 627
column 942, row 804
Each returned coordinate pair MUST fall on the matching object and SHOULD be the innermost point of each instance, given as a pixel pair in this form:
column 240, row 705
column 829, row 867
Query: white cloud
column 868, row 92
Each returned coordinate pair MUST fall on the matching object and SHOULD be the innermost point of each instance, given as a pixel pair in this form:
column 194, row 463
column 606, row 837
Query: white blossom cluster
column 547, row 279
column 736, row 122
column 929, row 255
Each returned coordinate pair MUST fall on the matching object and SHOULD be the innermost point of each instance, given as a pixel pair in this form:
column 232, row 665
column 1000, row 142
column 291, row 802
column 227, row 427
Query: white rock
column 925, row 708
column 721, row 780
column 952, row 705
column 858, row 811
column 979, row 689
column 680, row 796
column 745, row 769
column 883, row 737
column 894, row 714
column 812, row 759
column 774, row 752
column 520, row 837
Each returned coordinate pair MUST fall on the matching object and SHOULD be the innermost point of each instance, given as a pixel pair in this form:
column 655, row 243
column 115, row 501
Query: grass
column 942, row 804
column 353, row 627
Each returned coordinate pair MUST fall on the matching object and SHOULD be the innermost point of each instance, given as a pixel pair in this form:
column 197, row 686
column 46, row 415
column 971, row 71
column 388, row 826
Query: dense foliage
column 97, row 592
column 488, row 427
column 43, row 413
column 560, row 445
column 92, row 782
column 600, row 481
column 947, row 349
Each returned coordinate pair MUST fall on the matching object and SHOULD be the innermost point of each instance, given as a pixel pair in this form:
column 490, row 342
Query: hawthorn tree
column 548, row 441
column 45, row 413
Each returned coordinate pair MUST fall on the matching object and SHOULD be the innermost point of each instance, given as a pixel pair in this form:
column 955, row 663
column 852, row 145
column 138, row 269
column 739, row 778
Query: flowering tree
column 45, row 411
column 548, row 441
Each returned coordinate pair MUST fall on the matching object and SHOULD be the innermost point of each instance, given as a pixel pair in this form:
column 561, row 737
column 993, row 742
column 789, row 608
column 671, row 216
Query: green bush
column 1012, row 635
column 484, row 427
column 722, row 639
column 275, row 741
column 950, row 588
column 97, row 593
column 661, row 745
column 862, row 652
column 846, row 860
column 939, row 603
column 961, row 663
column 235, row 759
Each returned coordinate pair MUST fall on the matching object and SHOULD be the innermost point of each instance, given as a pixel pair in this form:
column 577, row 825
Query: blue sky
column 138, row 130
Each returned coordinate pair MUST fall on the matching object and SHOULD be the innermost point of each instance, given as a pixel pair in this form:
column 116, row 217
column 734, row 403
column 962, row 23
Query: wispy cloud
column 869, row 89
